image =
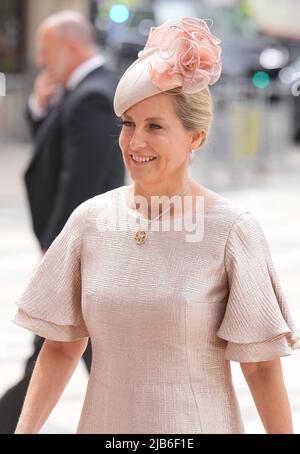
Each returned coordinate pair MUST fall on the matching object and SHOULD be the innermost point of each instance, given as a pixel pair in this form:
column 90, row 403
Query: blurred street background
column 252, row 155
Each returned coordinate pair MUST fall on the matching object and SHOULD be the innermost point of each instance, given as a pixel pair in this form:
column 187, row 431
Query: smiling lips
column 142, row 159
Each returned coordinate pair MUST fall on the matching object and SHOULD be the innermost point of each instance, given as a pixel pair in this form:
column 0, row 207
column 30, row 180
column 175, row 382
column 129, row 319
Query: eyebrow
column 150, row 118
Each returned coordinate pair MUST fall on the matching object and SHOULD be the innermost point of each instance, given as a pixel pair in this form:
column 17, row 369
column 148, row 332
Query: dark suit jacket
column 76, row 154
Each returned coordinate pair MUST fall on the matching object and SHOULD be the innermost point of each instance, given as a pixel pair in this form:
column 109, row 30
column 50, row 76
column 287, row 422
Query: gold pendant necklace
column 142, row 235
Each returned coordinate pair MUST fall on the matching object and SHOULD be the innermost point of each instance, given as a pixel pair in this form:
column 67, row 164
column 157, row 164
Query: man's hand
column 45, row 87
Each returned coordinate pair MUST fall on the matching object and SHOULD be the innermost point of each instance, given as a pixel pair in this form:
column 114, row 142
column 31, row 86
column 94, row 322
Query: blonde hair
column 194, row 110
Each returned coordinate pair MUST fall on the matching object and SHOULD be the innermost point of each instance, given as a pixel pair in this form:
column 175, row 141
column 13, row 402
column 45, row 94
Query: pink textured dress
column 164, row 317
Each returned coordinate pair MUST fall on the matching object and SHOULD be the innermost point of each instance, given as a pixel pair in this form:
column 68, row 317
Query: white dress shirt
column 73, row 81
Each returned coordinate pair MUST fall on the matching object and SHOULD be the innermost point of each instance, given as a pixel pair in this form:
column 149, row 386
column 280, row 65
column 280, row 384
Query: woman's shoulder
column 108, row 196
column 218, row 204
column 106, row 203
column 230, row 209
column 223, row 209
column 93, row 206
column 234, row 220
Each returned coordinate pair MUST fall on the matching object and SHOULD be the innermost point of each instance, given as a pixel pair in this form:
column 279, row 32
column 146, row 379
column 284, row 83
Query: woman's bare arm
column 265, row 381
column 53, row 370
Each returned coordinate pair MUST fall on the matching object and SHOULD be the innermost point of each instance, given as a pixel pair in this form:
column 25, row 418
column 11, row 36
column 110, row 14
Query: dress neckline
column 132, row 213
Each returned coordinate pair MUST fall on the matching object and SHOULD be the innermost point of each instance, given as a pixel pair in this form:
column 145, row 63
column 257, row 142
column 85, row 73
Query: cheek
column 124, row 140
column 174, row 150
column 180, row 143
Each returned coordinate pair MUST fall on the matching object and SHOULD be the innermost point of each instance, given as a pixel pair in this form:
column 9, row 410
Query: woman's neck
column 147, row 199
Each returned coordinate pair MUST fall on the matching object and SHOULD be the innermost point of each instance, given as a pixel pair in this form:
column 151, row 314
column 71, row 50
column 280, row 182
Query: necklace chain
column 141, row 235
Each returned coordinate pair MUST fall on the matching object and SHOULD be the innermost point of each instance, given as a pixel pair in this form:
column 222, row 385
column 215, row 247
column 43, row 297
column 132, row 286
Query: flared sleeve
column 50, row 305
column 257, row 323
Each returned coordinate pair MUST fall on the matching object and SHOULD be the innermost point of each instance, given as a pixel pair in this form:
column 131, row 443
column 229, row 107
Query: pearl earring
column 192, row 155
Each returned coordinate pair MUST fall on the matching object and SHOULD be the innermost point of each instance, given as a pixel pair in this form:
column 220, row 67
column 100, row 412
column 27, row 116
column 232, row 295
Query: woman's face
column 151, row 129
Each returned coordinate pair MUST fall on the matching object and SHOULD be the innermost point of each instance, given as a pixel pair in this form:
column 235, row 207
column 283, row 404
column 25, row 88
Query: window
column 12, row 35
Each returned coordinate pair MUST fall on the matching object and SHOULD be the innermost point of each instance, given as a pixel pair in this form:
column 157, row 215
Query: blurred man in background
column 75, row 155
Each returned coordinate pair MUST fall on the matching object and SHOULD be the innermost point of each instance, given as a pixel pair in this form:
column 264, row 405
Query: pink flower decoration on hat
column 183, row 54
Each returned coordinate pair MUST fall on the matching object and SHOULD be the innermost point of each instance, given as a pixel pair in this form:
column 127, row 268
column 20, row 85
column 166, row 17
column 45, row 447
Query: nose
column 138, row 140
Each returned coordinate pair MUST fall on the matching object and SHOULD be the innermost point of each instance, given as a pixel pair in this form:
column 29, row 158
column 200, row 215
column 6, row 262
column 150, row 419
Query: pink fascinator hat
column 181, row 54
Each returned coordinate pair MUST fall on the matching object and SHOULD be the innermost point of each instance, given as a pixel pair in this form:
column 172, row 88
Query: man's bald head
column 70, row 25
column 64, row 41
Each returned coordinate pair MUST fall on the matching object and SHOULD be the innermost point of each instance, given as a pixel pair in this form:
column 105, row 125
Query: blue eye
column 126, row 123
column 129, row 124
